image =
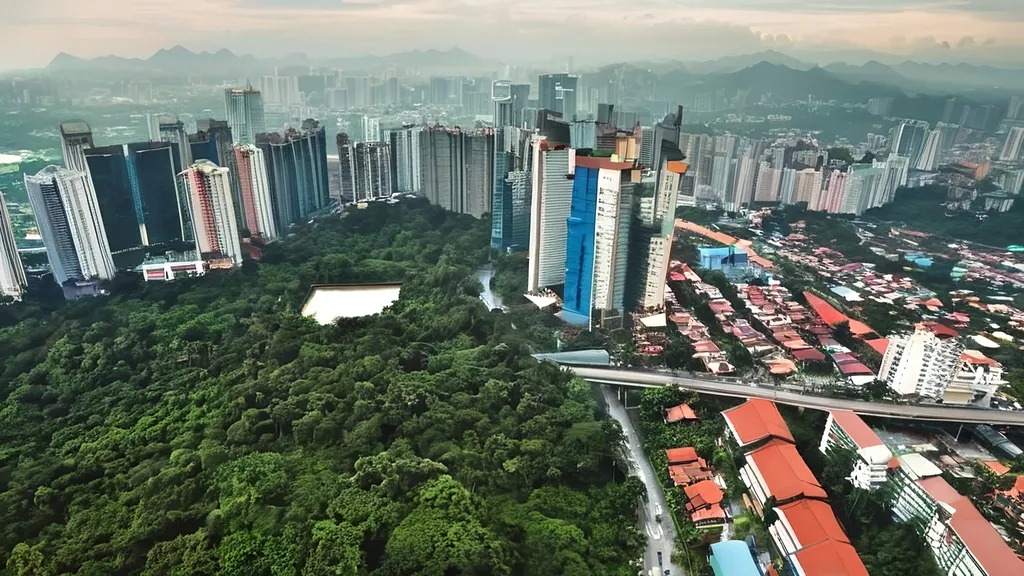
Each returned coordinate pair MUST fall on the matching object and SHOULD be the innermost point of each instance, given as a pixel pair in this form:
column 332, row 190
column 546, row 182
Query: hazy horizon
column 978, row 31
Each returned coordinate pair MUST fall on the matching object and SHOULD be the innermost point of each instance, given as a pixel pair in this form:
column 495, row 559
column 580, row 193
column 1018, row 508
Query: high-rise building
column 479, row 172
column 404, row 144
column 257, row 202
column 69, row 220
column 173, row 130
column 345, row 167
column 597, row 242
column 908, row 139
column 1013, row 182
column 746, row 178
column 206, row 188
column 931, row 152
column 787, row 190
column 654, row 230
column 895, row 172
column 244, row 111
column 458, row 169
column 557, row 93
column 520, row 96
column 808, row 187
column 722, row 182
column 12, row 273
column 371, row 129
column 768, row 184
column 862, row 189
column 116, row 197
column 510, row 204
column 371, row 167
column 553, row 165
column 1013, row 145
column 832, row 199
column 501, row 99
column 666, row 131
column 647, row 146
column 213, row 141
column 920, row 363
column 297, row 167
column 75, row 138
column 1015, row 110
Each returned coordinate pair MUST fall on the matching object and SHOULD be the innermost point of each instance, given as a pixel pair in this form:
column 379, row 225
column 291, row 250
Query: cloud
column 519, row 31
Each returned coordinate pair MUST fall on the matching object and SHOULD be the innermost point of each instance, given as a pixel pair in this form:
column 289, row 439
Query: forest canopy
column 204, row 427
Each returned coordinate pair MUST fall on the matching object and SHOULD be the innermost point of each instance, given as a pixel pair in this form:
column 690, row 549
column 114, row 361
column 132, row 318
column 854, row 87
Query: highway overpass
column 930, row 412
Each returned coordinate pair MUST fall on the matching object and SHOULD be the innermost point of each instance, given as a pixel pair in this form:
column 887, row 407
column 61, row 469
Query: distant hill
column 781, row 82
column 181, row 60
column 736, row 63
column 872, row 71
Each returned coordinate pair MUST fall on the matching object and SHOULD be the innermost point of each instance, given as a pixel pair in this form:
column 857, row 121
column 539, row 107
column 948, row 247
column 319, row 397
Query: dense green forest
column 204, row 427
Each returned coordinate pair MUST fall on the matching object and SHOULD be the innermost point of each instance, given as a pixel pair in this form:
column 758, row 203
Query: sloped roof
column 834, row 317
column 861, row 434
column 681, row 455
column 785, row 474
column 681, row 412
column 812, row 521
column 980, row 538
column 830, row 558
column 755, row 420
column 703, row 493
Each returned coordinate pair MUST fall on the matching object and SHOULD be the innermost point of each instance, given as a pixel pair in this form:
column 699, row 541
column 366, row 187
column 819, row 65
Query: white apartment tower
column 551, row 199
column 244, row 110
column 254, row 184
column 1014, row 144
column 68, row 216
column 211, row 210
column 920, row 363
column 12, row 273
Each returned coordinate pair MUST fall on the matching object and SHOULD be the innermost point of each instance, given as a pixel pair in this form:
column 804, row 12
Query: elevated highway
column 928, row 412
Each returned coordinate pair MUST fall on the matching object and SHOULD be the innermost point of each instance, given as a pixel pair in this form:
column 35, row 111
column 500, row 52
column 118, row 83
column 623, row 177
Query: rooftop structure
column 733, row 558
column 776, row 470
column 755, row 421
column 328, row 302
column 846, row 430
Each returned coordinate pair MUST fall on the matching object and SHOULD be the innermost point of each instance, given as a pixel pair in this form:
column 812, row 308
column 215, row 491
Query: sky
column 34, row 31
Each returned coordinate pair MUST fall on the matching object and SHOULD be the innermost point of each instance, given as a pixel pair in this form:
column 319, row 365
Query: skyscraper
column 443, row 162
column 211, row 212
column 479, row 168
column 907, row 139
column 654, row 230
column 808, row 187
column 70, row 224
column 244, row 111
column 550, row 200
column 75, row 137
column 647, row 147
column 930, row 153
column 768, row 183
column 520, row 96
column 344, row 144
column 597, row 242
column 12, row 273
column 894, row 176
column 788, row 189
column 173, row 130
column 371, row 168
column 257, row 201
column 1013, row 145
column 371, row 129
column 557, row 93
column 136, row 191
column 404, row 145
column 510, row 205
column 297, row 168
column 501, row 98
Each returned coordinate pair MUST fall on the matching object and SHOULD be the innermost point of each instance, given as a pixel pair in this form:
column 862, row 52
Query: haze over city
column 591, row 31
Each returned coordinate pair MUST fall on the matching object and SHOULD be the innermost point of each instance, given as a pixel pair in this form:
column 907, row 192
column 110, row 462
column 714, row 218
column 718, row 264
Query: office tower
column 557, row 93
column 70, row 223
column 371, row 170
column 647, row 146
column 297, row 168
column 345, row 167
column 930, row 153
column 244, row 111
column 510, row 218
column 597, row 238
column 520, row 96
column 908, row 139
column 501, row 98
column 808, row 187
column 173, row 130
column 894, row 176
column 1012, row 146
column 371, row 129
column 666, row 131
column 404, row 145
column 653, row 231
column 211, row 223
column 12, row 273
column 257, row 202
column 787, row 190
column 116, row 197
column 443, row 163
column 553, row 162
column 75, row 138
column 746, row 178
column 768, row 183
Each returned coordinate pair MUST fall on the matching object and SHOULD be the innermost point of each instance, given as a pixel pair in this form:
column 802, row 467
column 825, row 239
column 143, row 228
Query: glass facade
column 579, row 249
column 116, row 197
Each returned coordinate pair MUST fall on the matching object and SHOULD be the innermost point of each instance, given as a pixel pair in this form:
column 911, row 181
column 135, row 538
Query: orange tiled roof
column 703, row 493
column 681, row 455
column 755, row 420
column 861, row 434
column 812, row 521
column 831, row 558
column 786, row 475
column 681, row 412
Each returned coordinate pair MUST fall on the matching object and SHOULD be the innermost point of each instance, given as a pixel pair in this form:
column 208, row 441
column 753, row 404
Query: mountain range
column 909, row 76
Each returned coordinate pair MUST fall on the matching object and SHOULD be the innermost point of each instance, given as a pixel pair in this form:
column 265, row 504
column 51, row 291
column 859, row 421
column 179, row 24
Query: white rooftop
column 918, row 466
column 328, row 303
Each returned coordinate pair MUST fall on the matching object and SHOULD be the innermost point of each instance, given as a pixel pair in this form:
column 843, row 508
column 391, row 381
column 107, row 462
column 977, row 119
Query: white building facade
column 12, row 273
column 550, row 206
column 211, row 209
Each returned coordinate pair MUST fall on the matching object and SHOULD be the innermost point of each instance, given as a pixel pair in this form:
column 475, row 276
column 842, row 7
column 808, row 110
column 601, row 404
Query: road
column 661, row 536
column 484, row 275
column 936, row 413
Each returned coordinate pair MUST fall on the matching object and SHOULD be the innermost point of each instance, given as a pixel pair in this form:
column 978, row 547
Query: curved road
column 661, row 536
column 492, row 300
column 905, row 411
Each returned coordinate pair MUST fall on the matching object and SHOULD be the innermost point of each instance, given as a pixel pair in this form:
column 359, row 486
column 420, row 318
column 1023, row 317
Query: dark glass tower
column 297, row 171
column 116, row 197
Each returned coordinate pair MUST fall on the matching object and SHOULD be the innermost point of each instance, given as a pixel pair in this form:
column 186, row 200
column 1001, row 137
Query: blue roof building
column 732, row 558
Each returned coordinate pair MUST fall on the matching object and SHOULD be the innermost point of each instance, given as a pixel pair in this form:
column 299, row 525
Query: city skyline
column 695, row 29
